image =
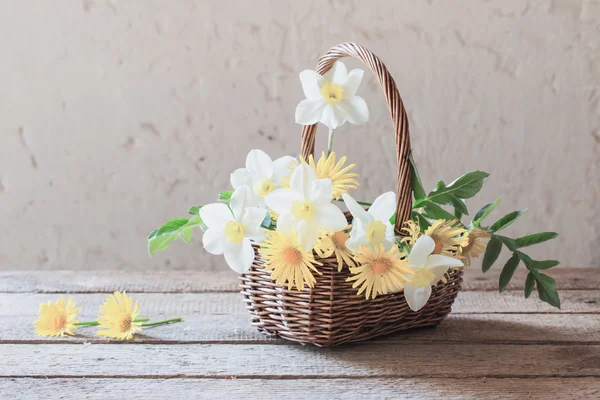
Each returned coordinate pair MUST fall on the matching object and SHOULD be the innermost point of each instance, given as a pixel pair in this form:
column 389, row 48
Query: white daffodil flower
column 231, row 229
column 306, row 207
column 428, row 271
column 371, row 228
column 262, row 175
column 331, row 98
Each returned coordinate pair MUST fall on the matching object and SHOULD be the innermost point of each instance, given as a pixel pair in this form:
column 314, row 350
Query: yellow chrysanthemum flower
column 118, row 317
column 335, row 243
column 342, row 180
column 448, row 237
column 57, row 319
column 289, row 262
column 413, row 231
column 379, row 272
column 475, row 244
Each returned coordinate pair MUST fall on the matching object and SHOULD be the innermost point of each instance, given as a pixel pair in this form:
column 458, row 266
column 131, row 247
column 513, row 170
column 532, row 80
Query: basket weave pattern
column 331, row 313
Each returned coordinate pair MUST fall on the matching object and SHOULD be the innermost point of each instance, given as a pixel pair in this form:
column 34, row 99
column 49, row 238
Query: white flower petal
column 357, row 237
column 331, row 218
column 302, row 179
column 357, row 210
column 438, row 272
column 437, row 260
column 355, row 109
column 239, row 256
column 309, row 111
column 259, row 164
column 420, row 251
column 388, row 244
column 216, row 215
column 240, row 177
column 240, row 199
column 214, row 241
column 390, row 235
column 280, row 200
column 252, row 220
column 286, row 223
column 308, row 233
column 311, row 84
column 320, row 191
column 338, row 74
column 354, row 79
column 282, row 168
column 416, row 297
column 383, row 207
column 332, row 116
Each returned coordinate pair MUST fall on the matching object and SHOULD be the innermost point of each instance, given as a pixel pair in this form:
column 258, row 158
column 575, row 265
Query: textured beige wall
column 117, row 115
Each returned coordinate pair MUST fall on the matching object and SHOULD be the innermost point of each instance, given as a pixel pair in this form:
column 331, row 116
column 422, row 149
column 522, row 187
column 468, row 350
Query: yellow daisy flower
column 335, row 243
column 475, row 244
column 341, row 178
column 118, row 317
column 379, row 272
column 289, row 262
column 413, row 231
column 448, row 237
column 57, row 319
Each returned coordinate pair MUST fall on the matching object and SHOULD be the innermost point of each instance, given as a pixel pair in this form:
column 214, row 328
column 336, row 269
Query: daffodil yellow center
column 264, row 187
column 291, row 256
column 302, row 209
column 234, row 232
column 125, row 323
column 422, row 277
column 332, row 93
column 375, row 232
column 380, row 266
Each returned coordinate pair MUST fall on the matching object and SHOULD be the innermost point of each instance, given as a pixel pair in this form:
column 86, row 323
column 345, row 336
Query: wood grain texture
column 225, row 280
column 231, row 328
column 331, row 389
column 267, row 361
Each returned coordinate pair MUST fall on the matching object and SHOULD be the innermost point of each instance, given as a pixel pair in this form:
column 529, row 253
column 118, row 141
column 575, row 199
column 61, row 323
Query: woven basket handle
column 404, row 188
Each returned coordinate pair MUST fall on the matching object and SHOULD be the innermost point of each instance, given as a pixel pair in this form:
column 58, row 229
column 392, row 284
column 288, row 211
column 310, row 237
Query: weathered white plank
column 331, row 389
column 236, row 328
column 226, row 280
column 156, row 305
column 286, row 361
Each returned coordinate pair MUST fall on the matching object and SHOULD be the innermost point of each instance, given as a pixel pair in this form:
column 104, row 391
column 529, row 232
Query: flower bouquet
column 313, row 273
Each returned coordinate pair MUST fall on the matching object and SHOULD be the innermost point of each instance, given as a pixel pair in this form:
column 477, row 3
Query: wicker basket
column 332, row 313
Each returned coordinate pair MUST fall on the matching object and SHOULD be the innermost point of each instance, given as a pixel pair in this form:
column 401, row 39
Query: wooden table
column 491, row 346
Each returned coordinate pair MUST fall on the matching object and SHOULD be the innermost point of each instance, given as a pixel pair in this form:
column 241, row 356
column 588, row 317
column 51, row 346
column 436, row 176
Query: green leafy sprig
column 429, row 206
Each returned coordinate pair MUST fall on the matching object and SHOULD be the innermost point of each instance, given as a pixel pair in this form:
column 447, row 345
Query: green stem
column 330, row 142
column 166, row 321
column 96, row 323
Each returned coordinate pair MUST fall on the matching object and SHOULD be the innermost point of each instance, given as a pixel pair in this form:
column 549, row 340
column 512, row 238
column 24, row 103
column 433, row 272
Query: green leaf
column 393, row 219
column 546, row 264
column 508, row 271
column 508, row 242
column 506, row 220
column 485, row 210
column 194, row 210
column 225, row 196
column 417, row 185
column 492, row 252
column 467, row 185
column 267, row 221
column 423, row 222
column 536, row 238
column 449, row 199
column 529, row 285
column 161, row 238
column 436, row 212
column 547, row 289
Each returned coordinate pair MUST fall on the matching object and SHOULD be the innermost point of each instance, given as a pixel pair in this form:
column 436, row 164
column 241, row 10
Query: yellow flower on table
column 118, row 317
column 379, row 272
column 289, row 262
column 342, row 179
column 57, row 319
column 475, row 244
column 335, row 243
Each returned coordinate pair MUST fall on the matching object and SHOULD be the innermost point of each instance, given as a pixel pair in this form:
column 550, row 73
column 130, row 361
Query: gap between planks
column 225, row 280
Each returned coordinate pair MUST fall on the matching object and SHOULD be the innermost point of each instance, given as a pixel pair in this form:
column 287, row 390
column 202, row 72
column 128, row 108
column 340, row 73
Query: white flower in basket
column 372, row 228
